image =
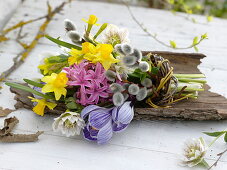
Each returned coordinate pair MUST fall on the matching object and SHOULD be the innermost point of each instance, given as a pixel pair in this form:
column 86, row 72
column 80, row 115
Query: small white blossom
column 115, row 35
column 194, row 152
column 69, row 123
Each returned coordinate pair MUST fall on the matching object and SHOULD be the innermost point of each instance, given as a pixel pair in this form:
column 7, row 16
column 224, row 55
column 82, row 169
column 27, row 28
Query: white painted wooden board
column 7, row 8
column 144, row 145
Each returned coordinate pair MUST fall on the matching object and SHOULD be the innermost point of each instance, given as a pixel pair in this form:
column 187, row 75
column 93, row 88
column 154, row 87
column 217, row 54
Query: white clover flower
column 115, row 35
column 69, row 123
column 194, row 152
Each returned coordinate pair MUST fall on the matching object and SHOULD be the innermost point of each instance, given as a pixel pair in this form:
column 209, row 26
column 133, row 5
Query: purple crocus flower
column 102, row 122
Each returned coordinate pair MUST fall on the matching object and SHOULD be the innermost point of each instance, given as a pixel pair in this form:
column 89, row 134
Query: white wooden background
column 144, row 145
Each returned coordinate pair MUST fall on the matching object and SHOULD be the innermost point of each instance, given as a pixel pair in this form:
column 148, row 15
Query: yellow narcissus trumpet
column 55, row 83
column 101, row 53
column 41, row 104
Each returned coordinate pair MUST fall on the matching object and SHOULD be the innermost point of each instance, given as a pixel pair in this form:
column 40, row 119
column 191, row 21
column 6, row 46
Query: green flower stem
column 101, row 29
column 88, row 29
column 189, row 75
column 215, row 139
column 189, row 89
column 191, row 80
column 204, row 163
column 191, row 96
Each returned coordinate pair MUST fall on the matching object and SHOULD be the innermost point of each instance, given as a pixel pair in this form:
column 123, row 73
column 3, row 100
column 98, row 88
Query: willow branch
column 19, row 59
column 216, row 162
column 154, row 36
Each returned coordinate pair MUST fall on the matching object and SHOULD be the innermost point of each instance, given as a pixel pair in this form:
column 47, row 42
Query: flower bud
column 143, row 66
column 142, row 94
column 127, row 49
column 69, row 25
column 118, row 48
column 110, row 75
column 74, row 36
column 129, row 60
column 115, row 87
column 146, row 82
column 135, row 66
column 118, row 99
column 125, row 96
column 125, row 86
column 138, row 54
column 133, row 89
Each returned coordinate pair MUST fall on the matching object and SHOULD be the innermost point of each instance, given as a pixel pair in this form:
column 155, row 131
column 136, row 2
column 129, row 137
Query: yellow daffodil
column 55, row 83
column 76, row 57
column 92, row 20
column 101, row 53
column 41, row 104
column 104, row 55
column 44, row 67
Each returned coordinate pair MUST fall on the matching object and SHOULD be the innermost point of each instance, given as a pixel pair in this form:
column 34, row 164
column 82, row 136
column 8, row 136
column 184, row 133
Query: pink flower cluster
column 91, row 80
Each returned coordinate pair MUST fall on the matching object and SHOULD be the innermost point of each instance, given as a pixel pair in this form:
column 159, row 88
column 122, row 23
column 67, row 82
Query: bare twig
column 154, row 36
column 216, row 162
column 19, row 58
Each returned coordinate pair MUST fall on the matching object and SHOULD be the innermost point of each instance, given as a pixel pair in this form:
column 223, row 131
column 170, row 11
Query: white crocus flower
column 69, row 123
column 194, row 152
column 115, row 35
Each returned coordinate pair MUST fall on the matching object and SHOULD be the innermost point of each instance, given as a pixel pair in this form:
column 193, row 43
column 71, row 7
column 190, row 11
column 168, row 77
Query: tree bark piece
column 5, row 112
column 6, row 134
column 14, row 138
column 208, row 106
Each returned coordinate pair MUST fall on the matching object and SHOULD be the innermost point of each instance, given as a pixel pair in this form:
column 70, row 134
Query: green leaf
column 62, row 43
column 171, row 2
column 210, row 18
column 196, row 48
column 58, row 59
column 101, row 29
column 155, row 70
column 204, row 36
column 28, row 89
column 33, row 83
column 215, row 134
column 225, row 137
column 71, row 106
column 195, row 41
column 173, row 44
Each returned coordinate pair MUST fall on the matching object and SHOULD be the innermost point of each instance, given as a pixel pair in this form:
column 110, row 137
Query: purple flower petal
column 88, row 109
column 99, row 118
column 119, row 127
column 93, row 132
column 87, row 135
column 123, row 114
column 105, row 134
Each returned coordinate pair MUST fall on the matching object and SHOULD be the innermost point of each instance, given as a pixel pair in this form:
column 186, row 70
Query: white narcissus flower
column 194, row 152
column 114, row 35
column 69, row 123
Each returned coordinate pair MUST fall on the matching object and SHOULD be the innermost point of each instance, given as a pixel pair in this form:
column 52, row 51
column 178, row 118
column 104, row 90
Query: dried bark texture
column 5, row 112
column 209, row 106
column 7, row 136
column 16, row 138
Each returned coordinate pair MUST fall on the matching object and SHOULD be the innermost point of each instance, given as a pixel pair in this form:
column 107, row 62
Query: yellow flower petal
column 76, row 56
column 41, row 104
column 55, row 83
column 51, row 105
column 92, row 20
column 39, row 109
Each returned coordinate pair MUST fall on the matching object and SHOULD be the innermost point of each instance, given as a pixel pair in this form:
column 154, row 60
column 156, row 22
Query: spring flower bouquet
column 98, row 79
